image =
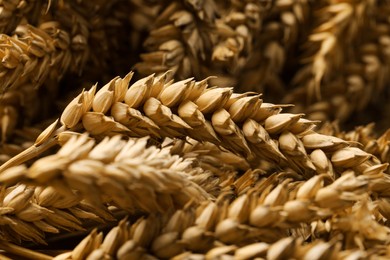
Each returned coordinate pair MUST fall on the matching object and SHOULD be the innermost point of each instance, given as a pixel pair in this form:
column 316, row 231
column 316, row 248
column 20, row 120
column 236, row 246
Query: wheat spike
column 115, row 171
column 327, row 88
column 222, row 228
column 241, row 123
column 26, row 55
column 280, row 25
column 29, row 213
column 281, row 249
column 177, row 37
column 12, row 12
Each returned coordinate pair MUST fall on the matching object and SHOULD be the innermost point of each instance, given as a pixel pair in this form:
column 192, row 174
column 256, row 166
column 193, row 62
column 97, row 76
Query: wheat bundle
column 196, row 166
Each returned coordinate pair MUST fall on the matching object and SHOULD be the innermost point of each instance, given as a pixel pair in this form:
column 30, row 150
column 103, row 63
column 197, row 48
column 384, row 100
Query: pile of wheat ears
column 237, row 129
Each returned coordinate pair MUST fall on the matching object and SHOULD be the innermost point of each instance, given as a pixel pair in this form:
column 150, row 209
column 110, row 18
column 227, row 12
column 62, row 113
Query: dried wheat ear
column 126, row 174
column 240, row 123
column 244, row 43
column 231, row 228
column 30, row 212
column 337, row 81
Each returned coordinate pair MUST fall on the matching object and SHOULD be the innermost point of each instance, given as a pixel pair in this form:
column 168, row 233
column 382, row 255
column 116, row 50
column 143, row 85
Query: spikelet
column 366, row 137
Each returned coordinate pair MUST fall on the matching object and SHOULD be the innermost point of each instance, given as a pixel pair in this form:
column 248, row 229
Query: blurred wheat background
column 195, row 129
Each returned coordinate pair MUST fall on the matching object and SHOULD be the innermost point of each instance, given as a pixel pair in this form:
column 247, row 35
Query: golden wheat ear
column 241, row 123
column 322, row 88
column 233, row 228
column 31, row 212
column 115, row 171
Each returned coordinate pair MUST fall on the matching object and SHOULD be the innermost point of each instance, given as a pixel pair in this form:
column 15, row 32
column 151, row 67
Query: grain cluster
column 189, row 129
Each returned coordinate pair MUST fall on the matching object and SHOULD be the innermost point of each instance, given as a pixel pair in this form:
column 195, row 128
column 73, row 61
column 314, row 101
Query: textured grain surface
column 217, row 146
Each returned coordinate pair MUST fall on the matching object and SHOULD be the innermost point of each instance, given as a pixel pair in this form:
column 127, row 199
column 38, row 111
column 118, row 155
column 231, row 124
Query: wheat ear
column 241, row 123
column 27, row 54
column 177, row 38
column 279, row 26
column 28, row 213
column 227, row 228
column 92, row 246
column 327, row 88
column 12, row 12
column 124, row 173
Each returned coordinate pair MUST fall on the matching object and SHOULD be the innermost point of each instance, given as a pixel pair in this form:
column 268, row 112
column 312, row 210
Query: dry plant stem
column 22, row 252
column 241, row 123
column 126, row 174
column 29, row 153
